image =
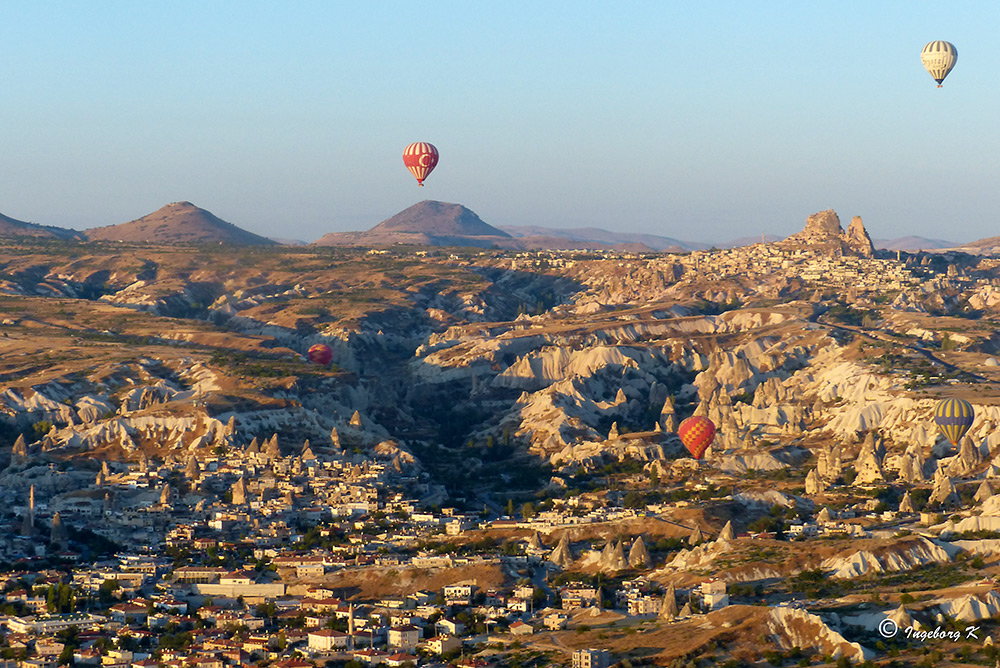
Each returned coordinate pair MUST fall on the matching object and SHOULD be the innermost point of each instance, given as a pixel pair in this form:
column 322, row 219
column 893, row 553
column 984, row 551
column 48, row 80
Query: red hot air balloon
column 420, row 158
column 696, row 434
column 321, row 354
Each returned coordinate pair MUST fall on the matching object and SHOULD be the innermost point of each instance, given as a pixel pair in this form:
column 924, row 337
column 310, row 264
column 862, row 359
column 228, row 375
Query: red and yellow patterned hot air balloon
column 321, row 354
column 696, row 434
column 420, row 158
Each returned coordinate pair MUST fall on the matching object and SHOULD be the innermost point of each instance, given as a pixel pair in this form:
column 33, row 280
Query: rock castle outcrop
column 823, row 229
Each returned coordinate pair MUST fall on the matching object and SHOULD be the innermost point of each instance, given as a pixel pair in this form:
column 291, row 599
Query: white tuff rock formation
column 968, row 460
column 944, row 491
column 613, row 558
column 911, row 465
column 902, row 556
column 668, row 418
column 906, row 504
column 828, row 463
column 239, row 491
column 535, row 543
column 795, row 627
column 638, row 556
column 668, row 609
column 727, row 534
column 869, row 463
column 972, row 608
column 814, row 483
column 561, row 555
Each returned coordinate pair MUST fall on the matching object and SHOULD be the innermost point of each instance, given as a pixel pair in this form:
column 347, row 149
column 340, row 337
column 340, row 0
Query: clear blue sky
column 700, row 121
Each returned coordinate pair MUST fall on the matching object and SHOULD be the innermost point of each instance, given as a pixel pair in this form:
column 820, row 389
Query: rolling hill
column 10, row 227
column 913, row 243
column 606, row 237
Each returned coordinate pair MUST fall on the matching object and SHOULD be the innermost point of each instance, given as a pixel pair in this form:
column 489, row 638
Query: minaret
column 29, row 517
column 350, row 626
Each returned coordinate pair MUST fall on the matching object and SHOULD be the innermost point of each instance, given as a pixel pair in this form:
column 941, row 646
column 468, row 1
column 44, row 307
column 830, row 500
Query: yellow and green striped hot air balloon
column 953, row 418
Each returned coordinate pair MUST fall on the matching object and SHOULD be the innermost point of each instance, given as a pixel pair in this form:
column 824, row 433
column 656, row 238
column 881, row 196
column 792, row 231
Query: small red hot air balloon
column 321, row 354
column 420, row 158
column 696, row 434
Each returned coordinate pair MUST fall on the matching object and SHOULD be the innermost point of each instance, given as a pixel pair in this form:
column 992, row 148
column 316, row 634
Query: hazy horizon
column 562, row 228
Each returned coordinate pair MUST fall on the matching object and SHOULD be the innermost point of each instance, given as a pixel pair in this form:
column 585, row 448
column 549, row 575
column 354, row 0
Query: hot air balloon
column 953, row 418
column 320, row 354
column 696, row 434
column 938, row 59
column 420, row 158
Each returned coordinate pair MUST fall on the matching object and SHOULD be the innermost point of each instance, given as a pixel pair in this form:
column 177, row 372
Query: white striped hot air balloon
column 420, row 158
column 939, row 58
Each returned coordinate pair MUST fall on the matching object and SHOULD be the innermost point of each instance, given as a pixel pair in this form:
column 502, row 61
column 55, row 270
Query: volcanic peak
column 178, row 222
column 439, row 219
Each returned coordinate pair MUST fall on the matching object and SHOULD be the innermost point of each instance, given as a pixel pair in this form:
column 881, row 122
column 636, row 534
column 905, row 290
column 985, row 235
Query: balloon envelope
column 939, row 58
column 420, row 158
column 696, row 434
column 321, row 354
column 953, row 418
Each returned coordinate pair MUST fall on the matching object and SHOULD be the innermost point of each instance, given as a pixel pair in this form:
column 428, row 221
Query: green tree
column 528, row 510
column 106, row 592
column 634, row 500
column 66, row 656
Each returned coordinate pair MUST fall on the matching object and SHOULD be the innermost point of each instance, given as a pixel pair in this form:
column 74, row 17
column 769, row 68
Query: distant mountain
column 913, row 243
column 427, row 223
column 638, row 241
column 987, row 246
column 179, row 223
column 439, row 219
column 431, row 223
column 749, row 241
column 605, row 237
column 9, row 227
